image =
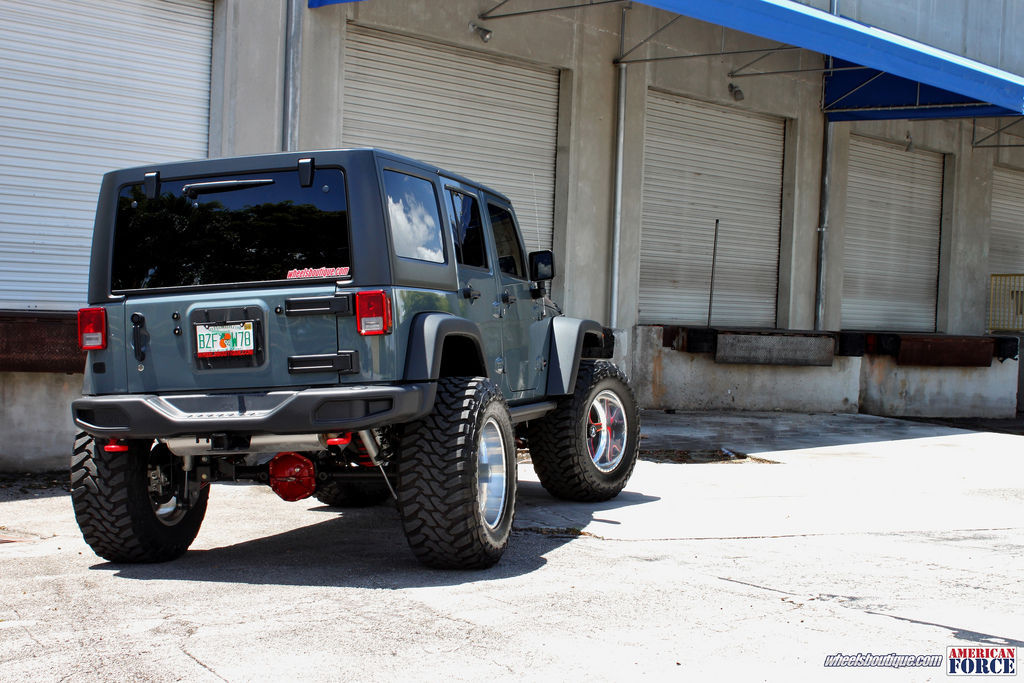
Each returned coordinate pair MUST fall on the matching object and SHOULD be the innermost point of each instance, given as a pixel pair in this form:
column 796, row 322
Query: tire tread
column 113, row 522
column 556, row 441
column 436, row 484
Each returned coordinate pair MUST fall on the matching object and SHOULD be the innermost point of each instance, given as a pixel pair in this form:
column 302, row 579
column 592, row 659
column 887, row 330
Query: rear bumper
column 334, row 409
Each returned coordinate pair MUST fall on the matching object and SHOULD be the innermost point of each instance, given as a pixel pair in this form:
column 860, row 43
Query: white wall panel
column 88, row 86
column 891, row 244
column 704, row 162
column 492, row 121
column 1006, row 242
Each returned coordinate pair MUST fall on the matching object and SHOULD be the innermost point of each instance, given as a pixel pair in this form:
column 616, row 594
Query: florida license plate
column 225, row 339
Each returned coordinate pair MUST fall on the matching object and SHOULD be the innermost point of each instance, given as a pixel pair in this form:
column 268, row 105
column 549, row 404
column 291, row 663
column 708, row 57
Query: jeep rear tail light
column 92, row 328
column 373, row 312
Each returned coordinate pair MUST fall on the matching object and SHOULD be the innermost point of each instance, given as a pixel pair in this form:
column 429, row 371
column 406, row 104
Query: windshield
column 249, row 227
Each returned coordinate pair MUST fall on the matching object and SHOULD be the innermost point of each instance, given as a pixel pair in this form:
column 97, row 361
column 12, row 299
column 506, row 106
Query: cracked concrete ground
column 867, row 536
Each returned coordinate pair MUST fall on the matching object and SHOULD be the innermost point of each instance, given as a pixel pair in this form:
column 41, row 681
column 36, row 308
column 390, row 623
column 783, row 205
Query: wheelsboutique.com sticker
column 980, row 661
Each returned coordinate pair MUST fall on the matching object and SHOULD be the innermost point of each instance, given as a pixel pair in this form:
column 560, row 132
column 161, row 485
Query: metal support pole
column 824, row 217
column 620, row 142
column 292, row 76
column 824, row 208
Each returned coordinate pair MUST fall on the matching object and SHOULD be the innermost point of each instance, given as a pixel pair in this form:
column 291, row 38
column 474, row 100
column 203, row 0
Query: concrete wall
column 247, row 116
column 583, row 45
column 248, row 111
column 693, row 381
column 909, row 391
column 35, row 420
column 673, row 379
column 794, row 98
column 984, row 30
column 963, row 268
column 247, row 89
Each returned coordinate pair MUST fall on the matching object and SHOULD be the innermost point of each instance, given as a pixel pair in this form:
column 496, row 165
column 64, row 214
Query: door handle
column 138, row 323
column 319, row 305
column 508, row 298
column 470, row 293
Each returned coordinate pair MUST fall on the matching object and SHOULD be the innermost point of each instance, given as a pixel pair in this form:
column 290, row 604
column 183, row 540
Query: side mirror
column 542, row 265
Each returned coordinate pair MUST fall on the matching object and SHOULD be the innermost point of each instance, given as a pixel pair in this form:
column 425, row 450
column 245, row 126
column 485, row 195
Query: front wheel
column 457, row 477
column 135, row 506
column 586, row 448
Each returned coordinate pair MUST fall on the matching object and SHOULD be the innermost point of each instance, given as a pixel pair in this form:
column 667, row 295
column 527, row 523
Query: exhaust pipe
column 258, row 443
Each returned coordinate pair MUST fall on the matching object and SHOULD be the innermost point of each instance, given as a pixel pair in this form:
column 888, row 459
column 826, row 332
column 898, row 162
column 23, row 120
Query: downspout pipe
column 620, row 143
column 620, row 140
column 824, row 207
column 824, row 217
column 292, row 76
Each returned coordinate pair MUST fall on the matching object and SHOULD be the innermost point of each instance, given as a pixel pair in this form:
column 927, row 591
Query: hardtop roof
column 281, row 160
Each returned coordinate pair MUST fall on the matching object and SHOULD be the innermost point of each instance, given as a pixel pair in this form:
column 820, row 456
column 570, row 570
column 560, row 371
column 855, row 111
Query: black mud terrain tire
column 121, row 517
column 457, row 477
column 571, row 457
column 352, row 494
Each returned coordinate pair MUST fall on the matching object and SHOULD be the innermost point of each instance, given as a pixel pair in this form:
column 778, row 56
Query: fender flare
column 427, row 335
column 567, row 335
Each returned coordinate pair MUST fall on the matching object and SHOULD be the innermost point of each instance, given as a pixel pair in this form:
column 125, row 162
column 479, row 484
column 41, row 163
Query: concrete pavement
column 848, row 534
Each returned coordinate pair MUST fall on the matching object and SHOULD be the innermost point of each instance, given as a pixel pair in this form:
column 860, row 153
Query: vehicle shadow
column 34, row 485
column 538, row 512
column 366, row 548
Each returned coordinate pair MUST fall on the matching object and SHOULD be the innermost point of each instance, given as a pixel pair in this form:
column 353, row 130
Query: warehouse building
column 776, row 205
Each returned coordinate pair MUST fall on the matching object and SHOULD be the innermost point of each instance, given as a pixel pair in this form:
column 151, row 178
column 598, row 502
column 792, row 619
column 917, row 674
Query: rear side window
column 468, row 230
column 506, row 242
column 415, row 220
column 250, row 227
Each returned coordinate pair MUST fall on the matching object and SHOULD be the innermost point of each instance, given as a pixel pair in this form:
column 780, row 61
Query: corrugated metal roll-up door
column 1005, row 251
column 704, row 162
column 1006, row 241
column 87, row 86
column 490, row 120
column 891, row 244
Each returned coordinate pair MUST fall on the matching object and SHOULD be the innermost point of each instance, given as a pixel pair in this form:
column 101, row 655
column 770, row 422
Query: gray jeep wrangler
column 351, row 325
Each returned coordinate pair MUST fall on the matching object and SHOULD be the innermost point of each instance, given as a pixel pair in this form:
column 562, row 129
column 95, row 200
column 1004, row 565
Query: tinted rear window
column 208, row 231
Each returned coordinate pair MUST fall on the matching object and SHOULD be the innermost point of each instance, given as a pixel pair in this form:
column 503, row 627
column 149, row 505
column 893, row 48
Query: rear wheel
column 134, row 506
column 457, row 477
column 586, row 448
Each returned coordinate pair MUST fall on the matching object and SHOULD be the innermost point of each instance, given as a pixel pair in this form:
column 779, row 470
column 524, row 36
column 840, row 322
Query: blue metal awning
column 903, row 79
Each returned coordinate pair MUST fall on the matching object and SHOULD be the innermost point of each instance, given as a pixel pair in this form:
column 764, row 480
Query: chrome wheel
column 169, row 512
column 490, row 473
column 164, row 491
column 606, row 430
